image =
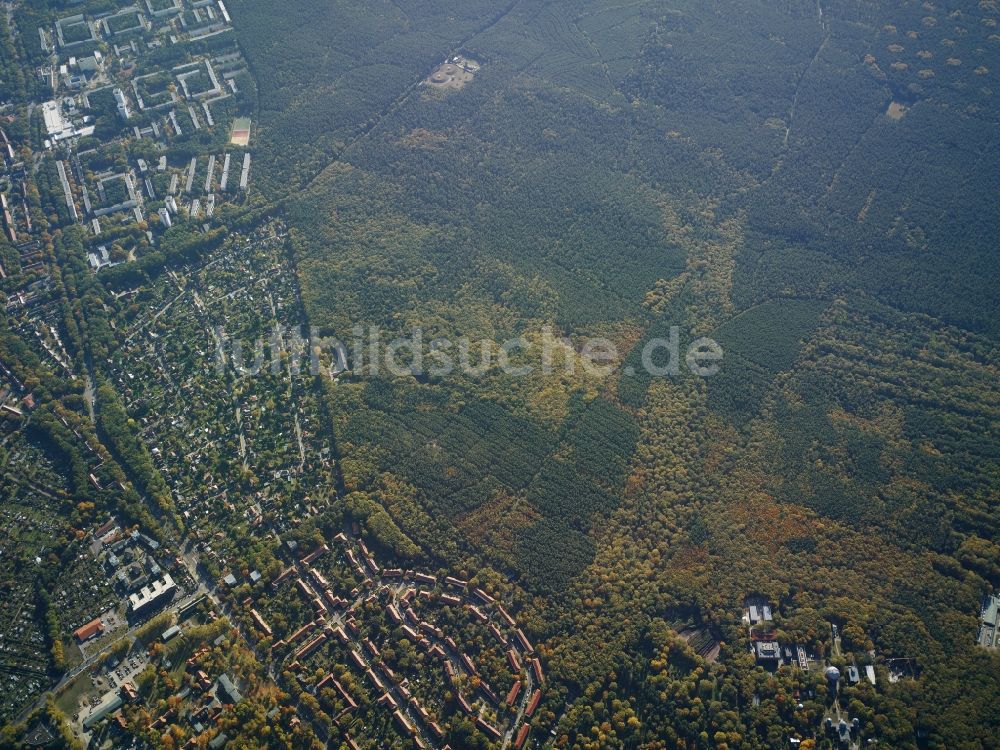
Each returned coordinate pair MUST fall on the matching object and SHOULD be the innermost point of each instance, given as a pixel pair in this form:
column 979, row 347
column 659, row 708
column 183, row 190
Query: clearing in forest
column 453, row 73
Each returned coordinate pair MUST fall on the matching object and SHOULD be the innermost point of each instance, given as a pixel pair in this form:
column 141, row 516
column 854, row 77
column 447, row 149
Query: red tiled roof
column 89, row 630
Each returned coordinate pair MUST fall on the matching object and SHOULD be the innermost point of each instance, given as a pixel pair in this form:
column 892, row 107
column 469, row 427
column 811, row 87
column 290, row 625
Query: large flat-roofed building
column 230, row 692
column 102, row 711
column 122, row 103
column 161, row 9
column 767, row 650
column 171, row 632
column 148, row 595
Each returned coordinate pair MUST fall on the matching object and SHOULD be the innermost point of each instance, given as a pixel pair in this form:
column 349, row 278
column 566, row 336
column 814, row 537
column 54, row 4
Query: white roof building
column 149, row 594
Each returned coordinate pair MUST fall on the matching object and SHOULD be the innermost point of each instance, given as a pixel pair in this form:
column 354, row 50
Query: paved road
column 90, row 661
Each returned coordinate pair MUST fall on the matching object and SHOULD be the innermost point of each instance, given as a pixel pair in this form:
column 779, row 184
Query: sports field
column 241, row 132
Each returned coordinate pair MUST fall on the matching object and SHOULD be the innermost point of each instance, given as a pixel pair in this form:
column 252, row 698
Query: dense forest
column 812, row 184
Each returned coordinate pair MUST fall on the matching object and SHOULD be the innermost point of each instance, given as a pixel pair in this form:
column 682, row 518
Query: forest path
column 405, row 94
